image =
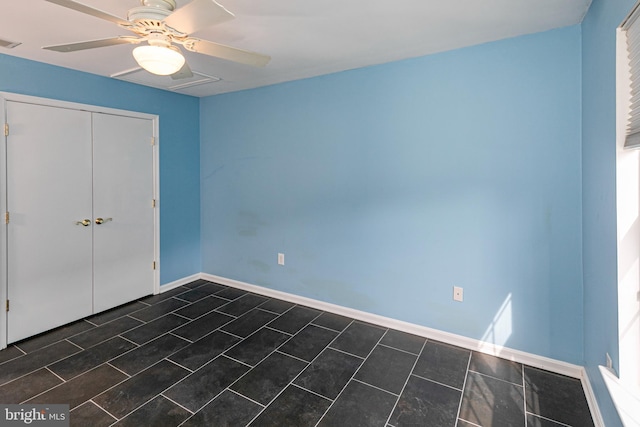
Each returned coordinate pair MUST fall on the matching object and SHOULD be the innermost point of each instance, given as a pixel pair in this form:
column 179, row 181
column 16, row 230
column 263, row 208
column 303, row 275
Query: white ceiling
column 304, row 38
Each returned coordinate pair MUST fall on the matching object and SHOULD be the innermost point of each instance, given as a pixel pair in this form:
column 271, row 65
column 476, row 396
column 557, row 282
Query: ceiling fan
column 161, row 26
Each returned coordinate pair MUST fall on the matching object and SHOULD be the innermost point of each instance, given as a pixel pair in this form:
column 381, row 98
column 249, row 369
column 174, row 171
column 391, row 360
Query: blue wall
column 599, row 188
column 179, row 146
column 386, row 186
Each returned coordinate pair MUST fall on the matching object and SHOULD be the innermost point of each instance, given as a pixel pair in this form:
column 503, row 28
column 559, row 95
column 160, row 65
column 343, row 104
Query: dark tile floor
column 208, row 355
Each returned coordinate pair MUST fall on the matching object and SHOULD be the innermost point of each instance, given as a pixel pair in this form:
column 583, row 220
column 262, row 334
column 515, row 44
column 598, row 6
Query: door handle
column 84, row 222
column 103, row 220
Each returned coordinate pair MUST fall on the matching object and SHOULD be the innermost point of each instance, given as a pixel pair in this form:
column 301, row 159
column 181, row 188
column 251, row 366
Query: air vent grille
column 9, row 44
column 139, row 76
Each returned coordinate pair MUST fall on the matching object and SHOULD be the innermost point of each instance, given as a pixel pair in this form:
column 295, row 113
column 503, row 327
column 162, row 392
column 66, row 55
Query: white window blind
column 631, row 27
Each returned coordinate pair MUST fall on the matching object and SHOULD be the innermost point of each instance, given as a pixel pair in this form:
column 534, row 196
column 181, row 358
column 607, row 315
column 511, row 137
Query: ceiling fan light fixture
column 159, row 60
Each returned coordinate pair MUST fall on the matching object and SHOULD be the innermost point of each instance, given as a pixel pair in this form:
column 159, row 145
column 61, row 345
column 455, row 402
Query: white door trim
column 7, row 96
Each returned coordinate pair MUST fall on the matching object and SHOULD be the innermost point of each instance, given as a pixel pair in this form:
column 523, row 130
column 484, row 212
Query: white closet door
column 123, row 192
column 48, row 193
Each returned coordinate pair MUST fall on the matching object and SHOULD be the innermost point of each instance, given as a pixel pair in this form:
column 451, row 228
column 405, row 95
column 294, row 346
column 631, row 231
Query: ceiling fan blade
column 183, row 73
column 226, row 52
column 92, row 44
column 70, row 4
column 197, row 15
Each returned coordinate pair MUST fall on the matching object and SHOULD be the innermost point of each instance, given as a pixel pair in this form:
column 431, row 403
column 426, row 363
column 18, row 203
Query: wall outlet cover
column 457, row 293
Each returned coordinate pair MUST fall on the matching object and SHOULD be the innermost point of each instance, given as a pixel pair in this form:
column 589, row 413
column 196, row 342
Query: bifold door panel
column 123, row 179
column 50, row 268
column 80, row 237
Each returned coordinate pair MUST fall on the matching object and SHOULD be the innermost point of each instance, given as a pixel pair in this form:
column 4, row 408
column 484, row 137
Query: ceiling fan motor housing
column 160, row 4
column 147, row 13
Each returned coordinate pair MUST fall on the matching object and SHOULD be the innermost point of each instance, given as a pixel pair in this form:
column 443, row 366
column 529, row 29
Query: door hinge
column 6, row 129
column 7, row 305
column 6, row 217
column 153, row 140
column 153, row 203
column 154, row 265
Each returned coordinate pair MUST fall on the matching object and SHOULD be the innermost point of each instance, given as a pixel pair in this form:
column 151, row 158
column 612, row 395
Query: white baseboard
column 530, row 359
column 179, row 282
column 591, row 399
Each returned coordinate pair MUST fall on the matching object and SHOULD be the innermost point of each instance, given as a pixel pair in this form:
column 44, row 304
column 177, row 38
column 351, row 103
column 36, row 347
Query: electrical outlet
column 457, row 293
column 280, row 259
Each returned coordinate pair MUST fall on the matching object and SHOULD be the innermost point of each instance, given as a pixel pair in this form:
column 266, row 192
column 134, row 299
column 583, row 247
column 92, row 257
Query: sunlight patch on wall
column 501, row 327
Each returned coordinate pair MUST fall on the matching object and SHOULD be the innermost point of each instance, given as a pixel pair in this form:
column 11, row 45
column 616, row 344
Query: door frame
column 8, row 96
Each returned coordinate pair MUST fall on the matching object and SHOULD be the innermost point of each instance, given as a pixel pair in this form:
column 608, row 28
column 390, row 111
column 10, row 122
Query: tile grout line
column 65, row 382
column 128, row 377
column 182, row 338
column 21, row 376
column 40, row 366
column 117, row 369
column 326, row 327
column 345, row 352
column 50, row 388
column 234, row 335
column 277, row 349
column 386, row 330
column 66, row 338
column 524, row 397
column 24, row 352
column 109, row 413
column 161, row 393
column 437, row 382
column 111, row 337
column 310, row 391
column 172, row 330
column 218, row 395
column 102, row 324
column 182, row 366
column 278, row 330
column 81, row 349
column 98, row 406
column 148, row 400
column 406, row 381
column 137, row 346
column 265, row 310
column 375, row 386
column 50, row 370
column 496, row 378
column 464, row 384
column 180, row 315
column 289, row 355
column 238, row 361
column 72, row 343
column 171, row 400
column 93, row 367
column 548, row 419
column 119, row 317
column 243, row 396
column 399, row 349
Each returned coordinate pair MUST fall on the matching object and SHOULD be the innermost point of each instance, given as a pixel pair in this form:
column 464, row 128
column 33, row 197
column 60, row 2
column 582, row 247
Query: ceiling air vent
column 140, row 76
column 9, row 45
